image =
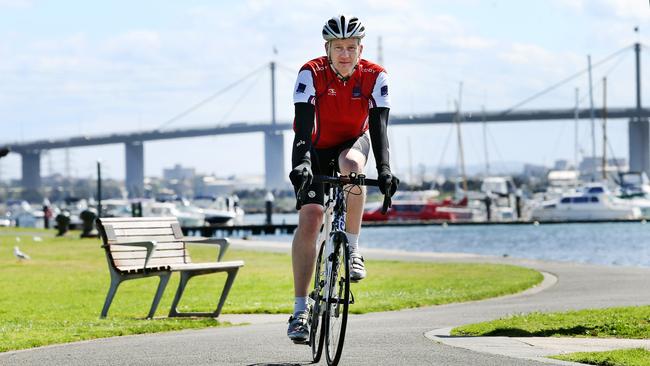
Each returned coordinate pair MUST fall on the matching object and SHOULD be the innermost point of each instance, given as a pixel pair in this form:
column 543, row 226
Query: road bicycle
column 331, row 295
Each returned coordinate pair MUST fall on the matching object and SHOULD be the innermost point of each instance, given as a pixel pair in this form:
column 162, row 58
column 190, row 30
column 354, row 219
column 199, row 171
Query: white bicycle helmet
column 342, row 27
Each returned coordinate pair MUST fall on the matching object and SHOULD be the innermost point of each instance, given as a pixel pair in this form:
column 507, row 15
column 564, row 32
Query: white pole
column 575, row 130
column 592, row 116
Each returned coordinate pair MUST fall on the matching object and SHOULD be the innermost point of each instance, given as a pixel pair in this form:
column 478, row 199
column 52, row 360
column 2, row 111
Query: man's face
column 344, row 54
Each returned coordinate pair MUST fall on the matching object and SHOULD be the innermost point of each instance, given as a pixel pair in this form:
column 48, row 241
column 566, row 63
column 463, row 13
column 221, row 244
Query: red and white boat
column 420, row 205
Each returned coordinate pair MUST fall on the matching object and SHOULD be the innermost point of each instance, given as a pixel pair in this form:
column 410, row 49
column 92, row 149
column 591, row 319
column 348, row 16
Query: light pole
column 99, row 188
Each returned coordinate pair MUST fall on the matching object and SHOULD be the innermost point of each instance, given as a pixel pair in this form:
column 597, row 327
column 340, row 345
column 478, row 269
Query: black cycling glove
column 386, row 179
column 296, row 175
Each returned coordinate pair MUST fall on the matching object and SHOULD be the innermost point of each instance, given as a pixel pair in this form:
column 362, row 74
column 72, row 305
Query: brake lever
column 387, row 200
column 301, row 191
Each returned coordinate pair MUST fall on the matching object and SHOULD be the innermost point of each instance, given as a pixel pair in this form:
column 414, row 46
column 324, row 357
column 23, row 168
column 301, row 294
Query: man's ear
column 360, row 49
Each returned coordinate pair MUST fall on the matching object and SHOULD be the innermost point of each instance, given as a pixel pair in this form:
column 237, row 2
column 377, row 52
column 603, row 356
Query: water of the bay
column 625, row 244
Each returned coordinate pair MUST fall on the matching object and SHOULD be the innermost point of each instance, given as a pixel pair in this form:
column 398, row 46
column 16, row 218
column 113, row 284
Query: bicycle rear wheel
column 336, row 313
column 316, row 333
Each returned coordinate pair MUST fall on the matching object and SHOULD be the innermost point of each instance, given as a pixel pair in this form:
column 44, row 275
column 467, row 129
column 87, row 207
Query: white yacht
column 502, row 194
column 220, row 210
column 593, row 201
column 169, row 209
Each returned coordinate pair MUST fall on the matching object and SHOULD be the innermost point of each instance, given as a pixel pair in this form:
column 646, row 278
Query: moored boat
column 420, row 205
column 591, row 202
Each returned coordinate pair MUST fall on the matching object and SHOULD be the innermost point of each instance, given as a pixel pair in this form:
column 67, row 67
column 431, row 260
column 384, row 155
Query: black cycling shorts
column 326, row 162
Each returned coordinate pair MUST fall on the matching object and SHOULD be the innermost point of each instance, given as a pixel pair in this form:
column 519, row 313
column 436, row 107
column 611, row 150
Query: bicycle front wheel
column 317, row 331
column 336, row 313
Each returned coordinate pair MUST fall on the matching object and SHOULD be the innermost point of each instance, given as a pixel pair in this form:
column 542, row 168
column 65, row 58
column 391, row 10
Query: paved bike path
column 387, row 338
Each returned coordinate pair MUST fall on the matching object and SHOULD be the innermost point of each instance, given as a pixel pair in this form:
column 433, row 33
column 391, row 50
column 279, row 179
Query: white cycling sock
column 353, row 241
column 300, row 305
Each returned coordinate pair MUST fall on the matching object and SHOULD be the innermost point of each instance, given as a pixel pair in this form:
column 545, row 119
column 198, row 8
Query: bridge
column 637, row 116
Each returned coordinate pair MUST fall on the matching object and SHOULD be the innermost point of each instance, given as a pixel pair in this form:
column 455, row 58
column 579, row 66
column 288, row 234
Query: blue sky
column 69, row 68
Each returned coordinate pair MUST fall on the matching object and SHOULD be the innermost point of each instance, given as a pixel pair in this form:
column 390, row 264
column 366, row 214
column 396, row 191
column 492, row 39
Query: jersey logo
column 301, row 142
column 301, row 88
column 356, row 91
column 331, row 91
column 384, row 91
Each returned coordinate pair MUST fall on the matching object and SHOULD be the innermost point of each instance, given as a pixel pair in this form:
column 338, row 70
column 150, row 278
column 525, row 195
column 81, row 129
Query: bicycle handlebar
column 355, row 179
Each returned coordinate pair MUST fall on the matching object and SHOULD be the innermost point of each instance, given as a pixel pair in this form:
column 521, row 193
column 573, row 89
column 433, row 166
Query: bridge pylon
column 134, row 168
column 274, row 171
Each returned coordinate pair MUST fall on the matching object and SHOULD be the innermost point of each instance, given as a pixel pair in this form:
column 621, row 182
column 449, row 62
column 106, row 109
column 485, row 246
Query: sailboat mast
column 460, row 139
column 592, row 116
column 485, row 144
column 576, row 115
column 605, row 128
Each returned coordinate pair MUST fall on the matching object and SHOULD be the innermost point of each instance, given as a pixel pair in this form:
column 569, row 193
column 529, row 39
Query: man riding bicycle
column 339, row 100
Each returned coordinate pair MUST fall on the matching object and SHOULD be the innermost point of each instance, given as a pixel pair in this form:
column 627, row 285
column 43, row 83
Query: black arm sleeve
column 304, row 122
column 378, row 120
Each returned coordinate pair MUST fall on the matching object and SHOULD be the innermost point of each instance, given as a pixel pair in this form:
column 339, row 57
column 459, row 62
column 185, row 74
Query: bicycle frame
column 331, row 277
column 333, row 223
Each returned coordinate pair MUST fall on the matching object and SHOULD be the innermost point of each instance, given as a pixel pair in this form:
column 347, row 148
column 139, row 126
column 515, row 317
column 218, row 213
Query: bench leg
column 226, row 288
column 161, row 289
column 115, row 282
column 185, row 277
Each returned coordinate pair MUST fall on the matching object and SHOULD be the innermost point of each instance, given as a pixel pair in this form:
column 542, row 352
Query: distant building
column 590, row 165
column 561, row 165
column 531, row 170
column 179, row 173
column 213, row 186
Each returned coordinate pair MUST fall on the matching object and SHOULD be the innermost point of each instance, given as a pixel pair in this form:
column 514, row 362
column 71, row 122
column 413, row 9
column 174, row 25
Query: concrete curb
column 534, row 348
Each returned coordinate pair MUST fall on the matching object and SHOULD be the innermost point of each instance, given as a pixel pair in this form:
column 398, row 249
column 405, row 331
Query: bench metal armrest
column 223, row 243
column 149, row 245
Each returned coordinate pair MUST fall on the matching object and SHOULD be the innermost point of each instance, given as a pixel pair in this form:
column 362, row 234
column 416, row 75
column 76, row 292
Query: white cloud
column 136, row 44
column 18, row 4
column 636, row 10
column 472, row 42
column 628, row 9
column 521, row 54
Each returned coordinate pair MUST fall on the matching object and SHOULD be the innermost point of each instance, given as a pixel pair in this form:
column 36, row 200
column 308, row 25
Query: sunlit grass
column 619, row 322
column 57, row 296
column 623, row 357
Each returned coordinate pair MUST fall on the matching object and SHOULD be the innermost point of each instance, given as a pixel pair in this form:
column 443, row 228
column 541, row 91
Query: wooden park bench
column 142, row 247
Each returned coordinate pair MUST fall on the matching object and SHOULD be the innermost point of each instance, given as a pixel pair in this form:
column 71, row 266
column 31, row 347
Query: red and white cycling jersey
column 341, row 106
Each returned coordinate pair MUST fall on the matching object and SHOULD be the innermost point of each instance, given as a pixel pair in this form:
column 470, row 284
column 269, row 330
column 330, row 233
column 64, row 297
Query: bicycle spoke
column 317, row 331
column 337, row 309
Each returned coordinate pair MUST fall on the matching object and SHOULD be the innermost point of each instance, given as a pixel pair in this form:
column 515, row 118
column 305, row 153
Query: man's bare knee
column 351, row 161
column 311, row 217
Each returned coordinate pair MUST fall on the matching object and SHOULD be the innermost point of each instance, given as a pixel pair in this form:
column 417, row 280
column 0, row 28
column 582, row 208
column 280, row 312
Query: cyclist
column 341, row 105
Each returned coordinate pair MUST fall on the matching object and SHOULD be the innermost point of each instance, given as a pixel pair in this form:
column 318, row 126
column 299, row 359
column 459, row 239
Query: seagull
column 20, row 255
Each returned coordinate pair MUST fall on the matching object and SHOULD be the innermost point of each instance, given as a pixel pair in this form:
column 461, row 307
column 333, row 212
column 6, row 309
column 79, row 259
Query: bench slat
column 142, row 254
column 152, row 262
column 110, row 220
column 139, row 224
column 159, row 245
column 207, row 265
column 142, row 232
column 138, row 269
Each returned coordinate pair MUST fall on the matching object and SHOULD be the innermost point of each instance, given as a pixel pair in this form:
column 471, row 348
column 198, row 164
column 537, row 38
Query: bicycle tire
column 316, row 333
column 336, row 313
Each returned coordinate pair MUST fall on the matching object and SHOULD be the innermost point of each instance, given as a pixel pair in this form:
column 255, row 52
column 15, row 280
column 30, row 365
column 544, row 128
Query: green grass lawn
column 623, row 357
column 619, row 322
column 56, row 297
